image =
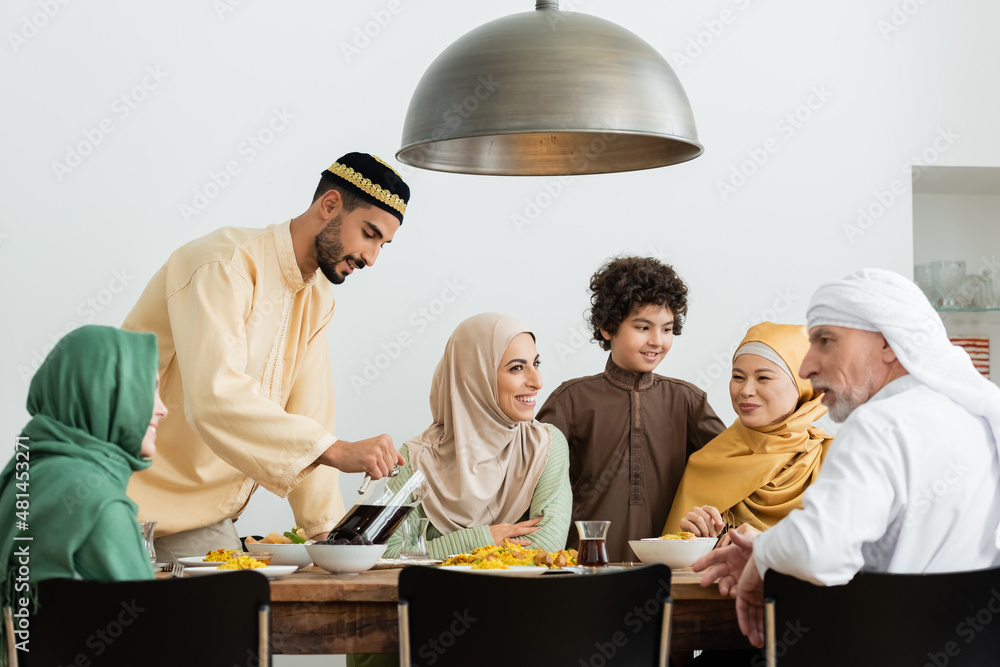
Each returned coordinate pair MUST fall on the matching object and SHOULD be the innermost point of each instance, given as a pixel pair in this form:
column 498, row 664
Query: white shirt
column 910, row 485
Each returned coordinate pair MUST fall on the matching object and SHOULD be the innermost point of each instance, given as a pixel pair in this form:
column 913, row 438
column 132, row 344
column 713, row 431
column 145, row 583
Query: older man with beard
column 912, row 483
column 241, row 318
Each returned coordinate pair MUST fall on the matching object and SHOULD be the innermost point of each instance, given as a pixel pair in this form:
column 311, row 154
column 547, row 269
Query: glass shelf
column 968, row 310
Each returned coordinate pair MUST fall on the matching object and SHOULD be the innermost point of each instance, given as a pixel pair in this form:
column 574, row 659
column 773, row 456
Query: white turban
column 886, row 302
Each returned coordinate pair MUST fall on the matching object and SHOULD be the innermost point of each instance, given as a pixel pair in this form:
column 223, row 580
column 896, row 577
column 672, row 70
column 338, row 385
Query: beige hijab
column 482, row 467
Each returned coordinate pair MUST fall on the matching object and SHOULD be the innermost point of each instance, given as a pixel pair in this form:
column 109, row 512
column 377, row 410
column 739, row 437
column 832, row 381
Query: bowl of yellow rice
column 676, row 551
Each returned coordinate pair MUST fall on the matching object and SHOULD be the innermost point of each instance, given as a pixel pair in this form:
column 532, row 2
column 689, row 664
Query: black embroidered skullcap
column 371, row 179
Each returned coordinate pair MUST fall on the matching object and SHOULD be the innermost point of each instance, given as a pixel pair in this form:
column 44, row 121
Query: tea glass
column 147, row 529
column 593, row 550
column 414, row 537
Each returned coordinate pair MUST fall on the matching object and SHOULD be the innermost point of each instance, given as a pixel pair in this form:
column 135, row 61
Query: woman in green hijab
column 95, row 405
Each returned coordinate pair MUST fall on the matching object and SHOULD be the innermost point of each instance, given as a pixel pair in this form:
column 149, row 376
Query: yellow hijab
column 758, row 476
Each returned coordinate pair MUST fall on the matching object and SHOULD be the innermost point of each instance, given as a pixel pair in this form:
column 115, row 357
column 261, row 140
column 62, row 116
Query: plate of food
column 508, row 571
column 219, row 557
column 512, row 560
column 394, row 563
column 269, row 571
column 211, row 559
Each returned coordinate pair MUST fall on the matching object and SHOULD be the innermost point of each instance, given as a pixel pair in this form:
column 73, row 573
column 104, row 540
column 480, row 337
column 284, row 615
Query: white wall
column 957, row 227
column 833, row 198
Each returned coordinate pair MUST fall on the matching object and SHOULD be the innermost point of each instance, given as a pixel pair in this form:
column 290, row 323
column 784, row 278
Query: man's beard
column 330, row 251
column 851, row 398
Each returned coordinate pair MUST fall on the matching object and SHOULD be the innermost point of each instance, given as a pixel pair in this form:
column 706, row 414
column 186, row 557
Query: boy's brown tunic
column 629, row 435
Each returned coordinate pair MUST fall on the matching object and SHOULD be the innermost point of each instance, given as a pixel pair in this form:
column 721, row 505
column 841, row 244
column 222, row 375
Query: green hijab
column 91, row 402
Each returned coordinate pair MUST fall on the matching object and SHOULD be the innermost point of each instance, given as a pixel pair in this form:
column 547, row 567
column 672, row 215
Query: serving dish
column 345, row 558
column 676, row 554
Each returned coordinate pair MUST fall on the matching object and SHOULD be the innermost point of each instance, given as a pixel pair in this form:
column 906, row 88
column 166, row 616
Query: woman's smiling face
column 518, row 379
column 762, row 393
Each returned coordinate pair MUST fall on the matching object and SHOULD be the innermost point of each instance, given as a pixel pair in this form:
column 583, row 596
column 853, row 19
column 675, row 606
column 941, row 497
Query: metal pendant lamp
column 548, row 92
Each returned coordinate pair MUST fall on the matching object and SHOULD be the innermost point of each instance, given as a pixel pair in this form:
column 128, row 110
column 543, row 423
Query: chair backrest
column 212, row 621
column 461, row 618
column 928, row 620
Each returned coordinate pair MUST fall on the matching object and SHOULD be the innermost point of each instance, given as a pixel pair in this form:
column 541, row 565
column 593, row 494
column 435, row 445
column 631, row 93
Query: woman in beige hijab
column 756, row 471
column 493, row 471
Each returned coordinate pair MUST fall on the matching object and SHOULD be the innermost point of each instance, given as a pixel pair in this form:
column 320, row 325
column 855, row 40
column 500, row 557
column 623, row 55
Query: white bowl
column 345, row 558
column 283, row 554
column 672, row 553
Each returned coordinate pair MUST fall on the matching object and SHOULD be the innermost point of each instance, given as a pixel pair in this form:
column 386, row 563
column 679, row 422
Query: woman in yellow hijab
column 756, row 471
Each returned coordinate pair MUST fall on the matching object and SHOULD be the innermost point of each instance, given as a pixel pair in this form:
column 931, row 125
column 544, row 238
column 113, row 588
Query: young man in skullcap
column 241, row 317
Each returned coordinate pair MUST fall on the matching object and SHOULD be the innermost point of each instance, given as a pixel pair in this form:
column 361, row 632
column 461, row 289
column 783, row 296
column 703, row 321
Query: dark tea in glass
column 592, row 553
column 593, row 550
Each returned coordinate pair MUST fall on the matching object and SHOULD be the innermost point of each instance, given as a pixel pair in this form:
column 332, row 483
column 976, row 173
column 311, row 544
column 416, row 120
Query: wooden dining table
column 314, row 612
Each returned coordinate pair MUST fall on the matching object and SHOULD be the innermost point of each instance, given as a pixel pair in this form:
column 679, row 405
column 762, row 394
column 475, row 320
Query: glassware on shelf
column 924, row 279
column 971, row 293
column 948, row 276
column 991, row 288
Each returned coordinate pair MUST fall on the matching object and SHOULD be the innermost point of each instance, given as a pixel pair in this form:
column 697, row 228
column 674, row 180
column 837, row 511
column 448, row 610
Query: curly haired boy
column 630, row 431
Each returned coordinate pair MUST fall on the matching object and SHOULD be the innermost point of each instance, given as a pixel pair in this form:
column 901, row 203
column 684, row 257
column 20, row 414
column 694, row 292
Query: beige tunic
column 245, row 373
column 629, row 435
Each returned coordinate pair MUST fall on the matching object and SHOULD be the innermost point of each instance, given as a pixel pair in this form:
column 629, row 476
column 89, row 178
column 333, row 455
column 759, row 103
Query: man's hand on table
column 750, row 604
column 726, row 564
column 375, row 457
column 737, row 574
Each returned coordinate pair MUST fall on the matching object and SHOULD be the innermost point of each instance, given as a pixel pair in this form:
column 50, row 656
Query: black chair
column 449, row 618
column 213, row 621
column 884, row 619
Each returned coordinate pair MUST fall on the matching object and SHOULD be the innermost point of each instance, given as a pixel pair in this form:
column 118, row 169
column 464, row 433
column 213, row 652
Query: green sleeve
column 110, row 553
column 553, row 497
